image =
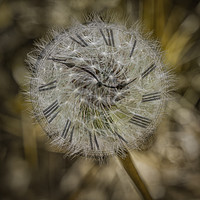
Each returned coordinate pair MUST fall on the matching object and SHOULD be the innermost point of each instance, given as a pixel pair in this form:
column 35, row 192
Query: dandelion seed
column 98, row 89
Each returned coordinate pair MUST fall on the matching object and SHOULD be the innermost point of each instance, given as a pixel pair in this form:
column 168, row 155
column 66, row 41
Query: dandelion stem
column 129, row 166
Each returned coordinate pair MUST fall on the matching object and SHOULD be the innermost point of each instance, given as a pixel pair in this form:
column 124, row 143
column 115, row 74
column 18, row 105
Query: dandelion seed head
column 98, row 89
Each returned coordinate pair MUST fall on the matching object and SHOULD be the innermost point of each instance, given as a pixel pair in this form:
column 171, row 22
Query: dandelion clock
column 98, row 89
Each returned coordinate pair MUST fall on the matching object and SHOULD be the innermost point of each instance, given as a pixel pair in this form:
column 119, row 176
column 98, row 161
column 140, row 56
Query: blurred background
column 29, row 169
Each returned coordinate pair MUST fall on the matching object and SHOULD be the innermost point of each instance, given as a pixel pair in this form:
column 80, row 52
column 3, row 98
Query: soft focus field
column 30, row 169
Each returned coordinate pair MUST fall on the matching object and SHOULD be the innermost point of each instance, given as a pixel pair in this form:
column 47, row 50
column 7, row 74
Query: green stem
column 129, row 166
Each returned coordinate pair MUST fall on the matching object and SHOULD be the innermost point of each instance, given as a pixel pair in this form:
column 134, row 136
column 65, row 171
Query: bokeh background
column 30, row 169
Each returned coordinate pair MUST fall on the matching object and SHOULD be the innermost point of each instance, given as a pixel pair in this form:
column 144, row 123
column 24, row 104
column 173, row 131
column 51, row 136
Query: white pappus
column 98, row 89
